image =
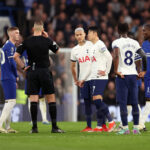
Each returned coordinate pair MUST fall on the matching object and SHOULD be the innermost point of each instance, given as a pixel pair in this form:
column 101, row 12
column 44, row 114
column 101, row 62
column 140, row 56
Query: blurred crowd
column 61, row 17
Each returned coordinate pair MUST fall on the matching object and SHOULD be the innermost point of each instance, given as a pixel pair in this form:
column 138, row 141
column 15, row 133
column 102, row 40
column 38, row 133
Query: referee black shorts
column 40, row 78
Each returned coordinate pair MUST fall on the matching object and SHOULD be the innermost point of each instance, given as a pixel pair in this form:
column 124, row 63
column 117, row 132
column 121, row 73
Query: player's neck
column 36, row 33
column 81, row 43
column 124, row 35
column 95, row 40
column 12, row 41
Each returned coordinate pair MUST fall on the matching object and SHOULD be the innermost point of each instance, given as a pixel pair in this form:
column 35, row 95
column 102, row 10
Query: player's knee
column 50, row 98
column 33, row 98
column 97, row 97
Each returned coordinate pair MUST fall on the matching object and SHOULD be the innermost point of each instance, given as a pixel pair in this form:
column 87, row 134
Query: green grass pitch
column 73, row 139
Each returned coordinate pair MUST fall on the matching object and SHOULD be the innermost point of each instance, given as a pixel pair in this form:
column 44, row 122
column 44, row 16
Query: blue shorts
column 40, row 93
column 98, row 86
column 9, row 88
column 147, row 87
column 85, row 91
column 127, row 90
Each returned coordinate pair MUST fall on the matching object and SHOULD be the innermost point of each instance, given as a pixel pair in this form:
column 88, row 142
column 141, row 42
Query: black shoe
column 144, row 129
column 34, row 130
column 57, row 130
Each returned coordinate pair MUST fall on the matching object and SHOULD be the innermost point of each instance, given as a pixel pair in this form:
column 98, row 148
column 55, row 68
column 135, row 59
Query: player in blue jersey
column 146, row 48
column 8, row 78
column 42, row 102
column 126, row 81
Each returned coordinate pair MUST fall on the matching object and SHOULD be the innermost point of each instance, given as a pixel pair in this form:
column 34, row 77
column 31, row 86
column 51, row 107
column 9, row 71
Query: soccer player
column 81, row 54
column 101, row 65
column 126, row 81
column 38, row 73
column 146, row 48
column 9, row 78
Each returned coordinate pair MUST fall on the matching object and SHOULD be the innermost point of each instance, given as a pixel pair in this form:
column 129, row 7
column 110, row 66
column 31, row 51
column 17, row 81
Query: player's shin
column 146, row 112
column 88, row 112
column 53, row 113
column 42, row 105
column 34, row 111
column 9, row 104
column 135, row 113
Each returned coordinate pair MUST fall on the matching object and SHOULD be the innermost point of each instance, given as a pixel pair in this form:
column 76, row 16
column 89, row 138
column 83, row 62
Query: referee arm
column 17, row 58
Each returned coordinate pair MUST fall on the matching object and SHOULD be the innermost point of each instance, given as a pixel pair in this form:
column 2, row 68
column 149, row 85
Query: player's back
column 37, row 48
column 127, row 51
column 7, row 53
column 146, row 48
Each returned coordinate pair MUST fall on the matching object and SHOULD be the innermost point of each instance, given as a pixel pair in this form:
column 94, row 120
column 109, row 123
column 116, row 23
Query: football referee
column 38, row 74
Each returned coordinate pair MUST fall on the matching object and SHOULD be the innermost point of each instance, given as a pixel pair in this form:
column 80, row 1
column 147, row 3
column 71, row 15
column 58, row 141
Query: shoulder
column 89, row 43
column 75, row 48
column 145, row 43
column 6, row 45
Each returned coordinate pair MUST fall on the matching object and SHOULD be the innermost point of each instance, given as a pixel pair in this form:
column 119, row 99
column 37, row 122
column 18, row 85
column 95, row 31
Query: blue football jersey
column 8, row 65
column 146, row 48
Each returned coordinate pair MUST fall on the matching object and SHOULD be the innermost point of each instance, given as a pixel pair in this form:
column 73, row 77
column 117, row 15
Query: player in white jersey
column 126, row 81
column 101, row 65
column 81, row 54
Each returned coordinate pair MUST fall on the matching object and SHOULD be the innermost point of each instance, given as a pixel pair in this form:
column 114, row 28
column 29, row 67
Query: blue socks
column 88, row 111
column 102, row 110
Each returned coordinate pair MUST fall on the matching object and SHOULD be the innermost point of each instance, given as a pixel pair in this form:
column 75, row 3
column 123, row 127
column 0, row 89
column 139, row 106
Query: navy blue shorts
column 147, row 87
column 127, row 90
column 9, row 88
column 85, row 91
column 98, row 87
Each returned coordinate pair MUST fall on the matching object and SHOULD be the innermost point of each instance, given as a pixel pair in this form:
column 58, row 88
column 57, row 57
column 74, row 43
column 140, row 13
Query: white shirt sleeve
column 73, row 57
column 109, row 61
column 137, row 45
column 102, row 47
column 114, row 45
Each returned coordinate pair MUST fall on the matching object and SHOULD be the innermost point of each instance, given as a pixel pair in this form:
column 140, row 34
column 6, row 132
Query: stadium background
column 60, row 18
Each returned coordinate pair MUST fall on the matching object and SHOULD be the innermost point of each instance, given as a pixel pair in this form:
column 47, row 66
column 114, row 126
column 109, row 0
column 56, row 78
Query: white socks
column 42, row 105
column 6, row 113
column 7, row 122
column 145, row 114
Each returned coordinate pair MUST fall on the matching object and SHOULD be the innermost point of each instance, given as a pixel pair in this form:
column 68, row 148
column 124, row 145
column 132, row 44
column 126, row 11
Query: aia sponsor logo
column 86, row 58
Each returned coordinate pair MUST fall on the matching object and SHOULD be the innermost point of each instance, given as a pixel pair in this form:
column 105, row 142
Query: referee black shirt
column 37, row 48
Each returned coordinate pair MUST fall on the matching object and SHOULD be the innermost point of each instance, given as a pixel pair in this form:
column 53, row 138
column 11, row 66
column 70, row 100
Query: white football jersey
column 82, row 54
column 100, row 61
column 128, row 48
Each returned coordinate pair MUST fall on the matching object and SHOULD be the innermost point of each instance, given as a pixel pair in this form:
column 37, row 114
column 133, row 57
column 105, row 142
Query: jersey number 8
column 128, row 60
column 2, row 56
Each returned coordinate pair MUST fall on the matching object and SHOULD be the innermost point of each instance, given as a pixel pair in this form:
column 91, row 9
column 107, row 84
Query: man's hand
column 81, row 83
column 45, row 34
column 76, row 82
column 119, row 74
column 26, row 68
column 101, row 73
column 142, row 74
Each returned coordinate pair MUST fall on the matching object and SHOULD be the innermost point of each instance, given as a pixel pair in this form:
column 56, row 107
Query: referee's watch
column 23, row 68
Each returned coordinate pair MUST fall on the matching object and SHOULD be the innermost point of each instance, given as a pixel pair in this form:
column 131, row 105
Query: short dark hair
column 123, row 28
column 147, row 26
column 94, row 29
column 12, row 29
